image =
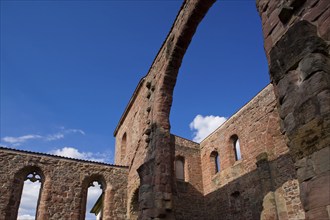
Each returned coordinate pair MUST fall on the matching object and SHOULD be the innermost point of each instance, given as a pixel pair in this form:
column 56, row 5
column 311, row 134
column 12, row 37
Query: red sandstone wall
column 134, row 124
column 291, row 11
column 149, row 150
column 64, row 186
column 257, row 127
column 263, row 183
column 189, row 191
column 297, row 36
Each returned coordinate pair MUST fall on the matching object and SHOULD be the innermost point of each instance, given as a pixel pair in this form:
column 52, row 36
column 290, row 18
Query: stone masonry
column 297, row 35
column 64, row 184
column 263, row 183
column 283, row 134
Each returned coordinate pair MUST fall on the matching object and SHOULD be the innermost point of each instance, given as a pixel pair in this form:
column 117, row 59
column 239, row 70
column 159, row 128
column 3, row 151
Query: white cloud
column 54, row 137
column 75, row 153
column 60, row 135
column 16, row 141
column 21, row 139
column 75, row 131
column 203, row 126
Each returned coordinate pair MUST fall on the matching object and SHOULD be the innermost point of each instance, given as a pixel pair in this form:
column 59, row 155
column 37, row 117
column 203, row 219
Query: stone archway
column 296, row 43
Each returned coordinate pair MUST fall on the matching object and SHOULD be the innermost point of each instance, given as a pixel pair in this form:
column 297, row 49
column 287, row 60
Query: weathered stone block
column 285, row 13
column 318, row 192
column 300, row 40
column 305, row 169
column 313, row 63
column 321, row 160
column 324, row 100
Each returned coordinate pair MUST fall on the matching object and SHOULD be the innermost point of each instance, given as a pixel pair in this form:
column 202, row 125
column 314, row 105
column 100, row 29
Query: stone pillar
column 297, row 35
column 44, row 198
column 156, row 173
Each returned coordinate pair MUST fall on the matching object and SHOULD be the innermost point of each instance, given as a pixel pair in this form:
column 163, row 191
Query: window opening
column 123, row 146
column 30, row 196
column 94, row 203
column 237, row 148
column 179, row 169
column 215, row 162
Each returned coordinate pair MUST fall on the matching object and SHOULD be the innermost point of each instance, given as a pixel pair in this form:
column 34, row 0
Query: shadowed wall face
column 256, row 186
column 297, row 36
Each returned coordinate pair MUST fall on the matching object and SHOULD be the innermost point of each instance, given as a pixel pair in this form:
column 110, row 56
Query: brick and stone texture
column 189, row 191
column 263, row 183
column 64, row 185
column 146, row 120
column 297, row 36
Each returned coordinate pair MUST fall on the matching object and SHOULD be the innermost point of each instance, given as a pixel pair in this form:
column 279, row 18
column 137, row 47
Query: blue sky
column 69, row 68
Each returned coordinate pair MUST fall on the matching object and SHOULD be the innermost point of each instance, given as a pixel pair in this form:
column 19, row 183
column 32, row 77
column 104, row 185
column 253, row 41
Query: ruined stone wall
column 131, row 125
column 189, row 191
column 297, row 36
column 134, row 125
column 64, row 185
column 257, row 126
column 263, row 183
column 151, row 153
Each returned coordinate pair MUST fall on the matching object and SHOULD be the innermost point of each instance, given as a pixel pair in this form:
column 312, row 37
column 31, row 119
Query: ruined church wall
column 262, row 184
column 64, row 185
column 296, row 34
column 188, row 197
column 137, row 126
column 133, row 124
column 146, row 121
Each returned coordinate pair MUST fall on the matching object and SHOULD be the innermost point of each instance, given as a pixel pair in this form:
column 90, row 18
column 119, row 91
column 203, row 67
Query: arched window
column 179, row 168
column 94, row 204
column 30, row 196
column 123, row 146
column 215, row 162
column 236, row 147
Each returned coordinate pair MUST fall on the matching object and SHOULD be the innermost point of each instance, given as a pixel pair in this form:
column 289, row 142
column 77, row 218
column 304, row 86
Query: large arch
column 156, row 172
column 296, row 37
